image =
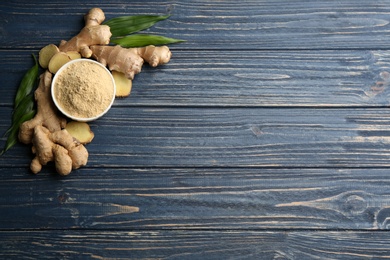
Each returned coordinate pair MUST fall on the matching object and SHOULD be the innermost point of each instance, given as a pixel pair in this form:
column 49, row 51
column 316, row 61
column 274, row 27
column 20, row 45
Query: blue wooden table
column 267, row 136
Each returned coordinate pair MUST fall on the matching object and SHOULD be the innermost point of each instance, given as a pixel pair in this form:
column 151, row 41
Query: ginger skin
column 59, row 147
column 92, row 34
column 47, row 114
column 130, row 60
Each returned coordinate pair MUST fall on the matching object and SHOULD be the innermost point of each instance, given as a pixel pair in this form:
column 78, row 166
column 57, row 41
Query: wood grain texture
column 265, row 137
column 236, row 137
column 245, row 78
column 194, row 245
column 225, row 25
column 196, row 199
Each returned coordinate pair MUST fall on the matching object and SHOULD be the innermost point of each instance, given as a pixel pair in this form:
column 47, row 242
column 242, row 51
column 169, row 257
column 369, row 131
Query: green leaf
column 23, row 105
column 125, row 25
column 27, row 84
column 141, row 40
column 14, row 131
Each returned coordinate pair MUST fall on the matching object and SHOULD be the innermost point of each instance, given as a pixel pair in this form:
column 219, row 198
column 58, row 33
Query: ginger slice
column 57, row 61
column 73, row 55
column 46, row 53
column 80, row 131
column 122, row 83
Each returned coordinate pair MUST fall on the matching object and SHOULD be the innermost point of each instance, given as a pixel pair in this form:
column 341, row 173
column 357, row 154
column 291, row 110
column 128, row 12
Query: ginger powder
column 83, row 89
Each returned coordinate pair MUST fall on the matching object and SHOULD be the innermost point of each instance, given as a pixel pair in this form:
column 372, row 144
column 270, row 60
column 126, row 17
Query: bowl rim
column 81, row 119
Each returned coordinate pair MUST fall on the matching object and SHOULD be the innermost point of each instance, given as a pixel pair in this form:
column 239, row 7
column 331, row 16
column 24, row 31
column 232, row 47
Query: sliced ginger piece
column 46, row 53
column 73, row 55
column 57, row 61
column 80, row 131
column 122, row 83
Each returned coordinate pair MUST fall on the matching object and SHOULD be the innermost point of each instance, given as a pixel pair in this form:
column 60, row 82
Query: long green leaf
column 14, row 131
column 26, row 105
column 125, row 25
column 23, row 105
column 27, row 84
column 141, row 40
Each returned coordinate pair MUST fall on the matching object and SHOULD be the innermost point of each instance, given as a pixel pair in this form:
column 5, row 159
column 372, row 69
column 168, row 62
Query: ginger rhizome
column 92, row 34
column 130, row 60
column 60, row 147
column 47, row 113
column 45, row 132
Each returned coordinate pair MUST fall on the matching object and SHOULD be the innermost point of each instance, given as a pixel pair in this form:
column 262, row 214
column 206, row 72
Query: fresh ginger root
column 130, row 60
column 155, row 56
column 47, row 114
column 59, row 147
column 45, row 131
column 92, row 34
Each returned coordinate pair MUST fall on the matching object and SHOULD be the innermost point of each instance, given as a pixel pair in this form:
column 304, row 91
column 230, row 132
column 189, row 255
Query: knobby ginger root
column 59, row 147
column 47, row 113
column 45, row 131
column 130, row 60
column 92, row 34
column 155, row 56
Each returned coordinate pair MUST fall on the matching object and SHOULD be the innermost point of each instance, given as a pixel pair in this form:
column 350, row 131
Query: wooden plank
column 265, row 137
column 236, row 137
column 196, row 198
column 352, row 24
column 194, row 245
column 247, row 79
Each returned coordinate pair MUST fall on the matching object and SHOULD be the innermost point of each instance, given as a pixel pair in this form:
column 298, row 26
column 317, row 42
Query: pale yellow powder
column 84, row 89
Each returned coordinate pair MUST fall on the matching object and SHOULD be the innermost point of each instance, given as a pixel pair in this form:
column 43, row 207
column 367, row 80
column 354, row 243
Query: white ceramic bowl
column 55, row 86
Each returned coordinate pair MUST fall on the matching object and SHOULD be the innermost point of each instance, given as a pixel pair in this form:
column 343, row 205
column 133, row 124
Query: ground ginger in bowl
column 83, row 90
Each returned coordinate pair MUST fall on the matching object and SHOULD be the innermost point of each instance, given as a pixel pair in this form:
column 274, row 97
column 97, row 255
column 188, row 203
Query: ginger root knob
column 58, row 147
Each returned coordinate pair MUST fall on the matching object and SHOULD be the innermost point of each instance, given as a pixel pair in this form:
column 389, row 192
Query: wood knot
column 381, row 84
column 354, row 205
column 383, row 218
